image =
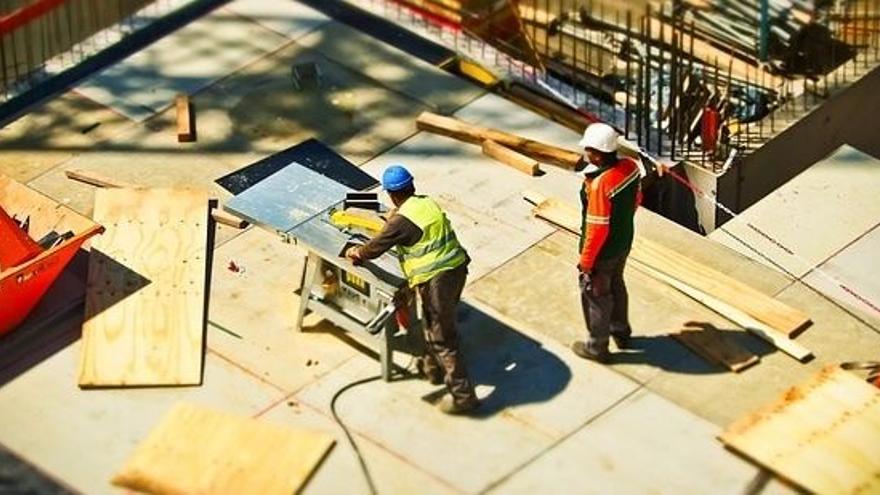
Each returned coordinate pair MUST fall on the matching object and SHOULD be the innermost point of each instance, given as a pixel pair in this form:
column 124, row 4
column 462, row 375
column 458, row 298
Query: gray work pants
column 605, row 302
column 440, row 296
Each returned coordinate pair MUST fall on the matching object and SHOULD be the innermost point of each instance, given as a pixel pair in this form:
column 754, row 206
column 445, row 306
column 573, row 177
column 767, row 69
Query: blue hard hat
column 396, row 178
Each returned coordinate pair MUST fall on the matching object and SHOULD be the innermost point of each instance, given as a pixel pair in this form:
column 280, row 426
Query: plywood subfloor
column 146, row 289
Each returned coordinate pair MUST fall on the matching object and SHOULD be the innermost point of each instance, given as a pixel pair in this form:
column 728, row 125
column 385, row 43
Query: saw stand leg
column 386, row 353
column 310, row 276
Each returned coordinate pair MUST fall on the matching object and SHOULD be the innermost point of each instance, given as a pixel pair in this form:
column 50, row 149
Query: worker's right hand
column 354, row 255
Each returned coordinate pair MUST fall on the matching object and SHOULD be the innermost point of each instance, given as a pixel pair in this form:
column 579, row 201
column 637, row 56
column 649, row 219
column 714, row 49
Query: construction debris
column 198, row 450
column 186, row 132
column 821, row 435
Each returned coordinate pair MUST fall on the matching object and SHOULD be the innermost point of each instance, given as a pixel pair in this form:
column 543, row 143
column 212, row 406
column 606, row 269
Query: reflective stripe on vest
column 438, row 249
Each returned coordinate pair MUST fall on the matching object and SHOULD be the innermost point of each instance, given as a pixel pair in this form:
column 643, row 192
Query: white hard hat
column 600, row 137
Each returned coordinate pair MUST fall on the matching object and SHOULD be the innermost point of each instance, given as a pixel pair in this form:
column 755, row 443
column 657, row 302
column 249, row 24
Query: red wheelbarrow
column 38, row 238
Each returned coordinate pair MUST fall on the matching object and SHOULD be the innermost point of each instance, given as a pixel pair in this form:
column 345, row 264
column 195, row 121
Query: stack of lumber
column 822, row 435
column 760, row 314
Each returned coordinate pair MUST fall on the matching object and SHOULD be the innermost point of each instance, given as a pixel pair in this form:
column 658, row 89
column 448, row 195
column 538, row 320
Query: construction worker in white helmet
column 435, row 265
column 609, row 198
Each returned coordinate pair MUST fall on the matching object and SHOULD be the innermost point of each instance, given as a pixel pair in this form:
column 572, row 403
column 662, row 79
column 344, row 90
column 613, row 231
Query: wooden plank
column 769, row 312
column 716, row 347
column 145, row 294
column 754, row 303
column 511, row 158
column 98, row 180
column 185, row 129
column 822, row 435
column 457, row 129
column 197, row 450
column 773, row 337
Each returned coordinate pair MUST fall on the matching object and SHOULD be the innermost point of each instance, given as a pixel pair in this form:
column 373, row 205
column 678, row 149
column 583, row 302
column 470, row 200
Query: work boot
column 433, row 374
column 581, row 349
column 621, row 340
column 448, row 405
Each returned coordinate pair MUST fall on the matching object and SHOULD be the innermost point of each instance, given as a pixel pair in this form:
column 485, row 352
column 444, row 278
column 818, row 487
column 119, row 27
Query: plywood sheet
column 822, row 434
column 197, row 450
column 146, row 289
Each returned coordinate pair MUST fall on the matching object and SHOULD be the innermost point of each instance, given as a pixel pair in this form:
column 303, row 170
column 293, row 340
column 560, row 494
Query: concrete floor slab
column 412, row 428
column 857, row 268
column 816, row 214
column 340, row 471
column 253, row 313
column 538, row 291
column 82, row 437
column 393, row 68
column 184, row 62
column 289, row 18
column 53, row 133
column 258, row 110
column 618, row 453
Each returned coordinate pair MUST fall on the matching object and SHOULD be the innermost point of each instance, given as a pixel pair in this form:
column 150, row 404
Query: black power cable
column 351, row 441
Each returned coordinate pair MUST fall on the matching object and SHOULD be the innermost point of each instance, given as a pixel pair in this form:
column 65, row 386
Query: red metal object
column 26, row 14
column 25, row 281
column 709, row 131
column 16, row 246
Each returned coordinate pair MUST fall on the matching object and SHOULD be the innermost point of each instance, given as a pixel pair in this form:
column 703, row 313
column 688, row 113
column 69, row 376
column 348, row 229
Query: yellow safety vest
column 438, row 249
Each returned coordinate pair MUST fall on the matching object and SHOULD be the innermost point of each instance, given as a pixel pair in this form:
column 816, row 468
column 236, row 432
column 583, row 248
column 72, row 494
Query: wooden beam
column 99, row 180
column 185, row 128
column 457, row 129
column 511, row 158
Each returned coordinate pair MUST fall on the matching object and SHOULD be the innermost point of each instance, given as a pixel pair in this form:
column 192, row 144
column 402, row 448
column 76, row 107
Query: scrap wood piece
column 99, row 180
column 761, row 311
column 716, row 347
column 457, row 129
column 822, row 434
column 186, row 132
column 774, row 337
column 197, row 450
column 146, row 289
column 511, row 158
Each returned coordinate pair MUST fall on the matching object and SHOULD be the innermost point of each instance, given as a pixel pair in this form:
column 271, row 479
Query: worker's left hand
column 354, row 255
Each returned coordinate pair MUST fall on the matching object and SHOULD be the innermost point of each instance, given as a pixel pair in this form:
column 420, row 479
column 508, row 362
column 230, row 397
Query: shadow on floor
column 666, row 353
column 517, row 368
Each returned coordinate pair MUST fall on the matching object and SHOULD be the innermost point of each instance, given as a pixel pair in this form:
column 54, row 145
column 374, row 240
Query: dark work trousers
column 605, row 302
column 440, row 296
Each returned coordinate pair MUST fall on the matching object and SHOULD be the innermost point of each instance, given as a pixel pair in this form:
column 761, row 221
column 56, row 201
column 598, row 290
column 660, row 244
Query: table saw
column 304, row 208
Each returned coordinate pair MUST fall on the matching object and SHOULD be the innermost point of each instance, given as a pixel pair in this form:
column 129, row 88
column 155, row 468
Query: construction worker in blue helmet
column 435, row 265
column 610, row 196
